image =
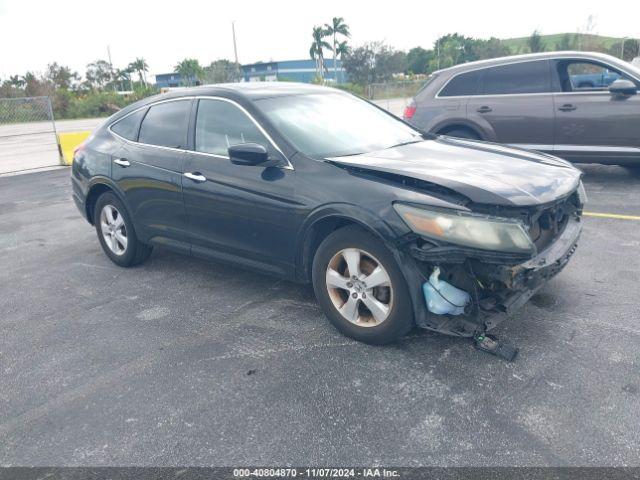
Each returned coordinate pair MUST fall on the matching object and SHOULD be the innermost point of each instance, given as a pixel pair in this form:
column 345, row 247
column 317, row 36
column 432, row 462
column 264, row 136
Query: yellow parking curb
column 611, row 215
column 68, row 142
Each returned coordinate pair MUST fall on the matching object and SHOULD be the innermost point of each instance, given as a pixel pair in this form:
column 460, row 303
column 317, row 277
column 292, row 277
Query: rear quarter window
column 463, row 84
column 128, row 126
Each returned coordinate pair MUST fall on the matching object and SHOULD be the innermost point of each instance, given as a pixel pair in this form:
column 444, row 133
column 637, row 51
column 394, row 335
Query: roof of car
column 529, row 56
column 254, row 90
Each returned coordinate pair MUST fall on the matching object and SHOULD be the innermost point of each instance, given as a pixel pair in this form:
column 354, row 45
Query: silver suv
column 580, row 106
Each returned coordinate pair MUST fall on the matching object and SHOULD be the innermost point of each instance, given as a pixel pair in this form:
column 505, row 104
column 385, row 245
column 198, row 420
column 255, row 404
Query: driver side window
column 221, row 124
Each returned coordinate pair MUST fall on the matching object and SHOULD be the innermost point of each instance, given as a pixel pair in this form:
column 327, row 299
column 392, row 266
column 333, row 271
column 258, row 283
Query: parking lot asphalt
column 184, row 362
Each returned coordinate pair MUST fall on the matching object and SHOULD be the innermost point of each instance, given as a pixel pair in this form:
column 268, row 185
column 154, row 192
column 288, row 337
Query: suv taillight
column 409, row 110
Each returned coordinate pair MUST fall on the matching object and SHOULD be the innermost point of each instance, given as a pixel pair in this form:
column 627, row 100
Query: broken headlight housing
column 582, row 194
column 469, row 230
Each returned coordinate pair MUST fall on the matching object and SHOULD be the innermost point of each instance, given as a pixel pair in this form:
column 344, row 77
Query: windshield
column 335, row 124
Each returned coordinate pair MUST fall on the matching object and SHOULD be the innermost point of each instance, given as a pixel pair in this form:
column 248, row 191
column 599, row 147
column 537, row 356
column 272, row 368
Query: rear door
column 237, row 212
column 148, row 169
column 515, row 104
column 591, row 123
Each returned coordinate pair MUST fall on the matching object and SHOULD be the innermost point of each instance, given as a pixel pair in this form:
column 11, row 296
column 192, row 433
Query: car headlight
column 487, row 233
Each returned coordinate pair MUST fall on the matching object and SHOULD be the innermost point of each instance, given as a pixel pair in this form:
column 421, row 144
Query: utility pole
column 111, row 68
column 622, row 48
column 235, row 48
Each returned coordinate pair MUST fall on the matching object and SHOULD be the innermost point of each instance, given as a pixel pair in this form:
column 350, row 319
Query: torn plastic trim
column 529, row 276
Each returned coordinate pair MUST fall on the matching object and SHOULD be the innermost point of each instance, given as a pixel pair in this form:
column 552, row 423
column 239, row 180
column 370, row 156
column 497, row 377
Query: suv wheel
column 360, row 287
column 116, row 233
column 461, row 133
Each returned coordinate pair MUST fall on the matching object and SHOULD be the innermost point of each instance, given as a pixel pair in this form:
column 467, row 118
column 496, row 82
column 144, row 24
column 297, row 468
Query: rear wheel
column 116, row 233
column 461, row 133
column 360, row 287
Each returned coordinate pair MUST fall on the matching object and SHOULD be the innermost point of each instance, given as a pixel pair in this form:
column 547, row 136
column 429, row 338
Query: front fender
column 386, row 230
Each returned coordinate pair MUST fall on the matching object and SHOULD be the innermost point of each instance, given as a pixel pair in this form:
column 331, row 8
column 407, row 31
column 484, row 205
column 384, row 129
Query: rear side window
column 463, row 84
column 128, row 126
column 165, row 124
column 220, row 124
column 526, row 77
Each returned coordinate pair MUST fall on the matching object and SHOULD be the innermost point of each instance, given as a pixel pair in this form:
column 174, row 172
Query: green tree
column 451, row 50
column 222, row 71
column 418, row 59
column 61, row 77
column 316, row 51
column 99, row 74
column 123, row 77
column 535, row 43
column 140, row 66
column 335, row 28
column 491, row 48
column 374, row 62
column 190, row 71
column 567, row 42
column 628, row 52
column 35, row 86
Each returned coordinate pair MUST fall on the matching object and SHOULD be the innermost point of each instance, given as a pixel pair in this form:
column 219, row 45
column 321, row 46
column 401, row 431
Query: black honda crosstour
column 394, row 227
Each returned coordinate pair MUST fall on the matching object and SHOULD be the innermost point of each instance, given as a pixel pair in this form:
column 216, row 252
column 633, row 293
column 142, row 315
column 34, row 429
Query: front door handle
column 484, row 109
column 196, row 177
column 123, row 162
column 567, row 107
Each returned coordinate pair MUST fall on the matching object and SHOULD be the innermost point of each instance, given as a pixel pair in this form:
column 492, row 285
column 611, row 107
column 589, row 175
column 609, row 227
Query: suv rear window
column 165, row 124
column 525, row 77
column 128, row 126
column 463, row 84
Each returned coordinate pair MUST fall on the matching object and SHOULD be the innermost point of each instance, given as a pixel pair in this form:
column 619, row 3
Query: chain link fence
column 394, row 96
column 28, row 137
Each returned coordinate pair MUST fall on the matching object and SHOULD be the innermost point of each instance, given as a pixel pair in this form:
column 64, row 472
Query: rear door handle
column 195, row 176
column 123, row 162
column 484, row 109
column 567, row 107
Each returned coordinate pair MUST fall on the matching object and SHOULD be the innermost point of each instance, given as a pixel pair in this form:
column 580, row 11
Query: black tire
column 135, row 251
column 461, row 133
column 399, row 320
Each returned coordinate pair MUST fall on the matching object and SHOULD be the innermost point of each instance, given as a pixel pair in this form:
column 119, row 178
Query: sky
column 75, row 32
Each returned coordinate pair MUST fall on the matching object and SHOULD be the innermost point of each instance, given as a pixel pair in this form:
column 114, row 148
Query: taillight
column 409, row 111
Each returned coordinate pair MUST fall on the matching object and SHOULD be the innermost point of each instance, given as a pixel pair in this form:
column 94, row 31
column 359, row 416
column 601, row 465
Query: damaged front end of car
column 469, row 269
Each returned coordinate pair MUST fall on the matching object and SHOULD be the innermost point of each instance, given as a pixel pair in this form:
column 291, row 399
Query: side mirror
column 250, row 154
column 623, row 87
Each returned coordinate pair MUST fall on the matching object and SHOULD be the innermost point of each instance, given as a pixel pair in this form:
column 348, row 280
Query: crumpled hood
column 483, row 172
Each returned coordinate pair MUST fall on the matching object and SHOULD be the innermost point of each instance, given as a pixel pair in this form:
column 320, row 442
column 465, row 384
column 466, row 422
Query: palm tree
column 123, row 76
column 16, row 81
column 140, row 65
column 189, row 70
column 342, row 51
column 337, row 27
column 317, row 49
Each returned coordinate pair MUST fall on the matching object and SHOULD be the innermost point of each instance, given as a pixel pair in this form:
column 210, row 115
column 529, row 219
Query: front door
column 515, row 104
column 592, row 123
column 237, row 212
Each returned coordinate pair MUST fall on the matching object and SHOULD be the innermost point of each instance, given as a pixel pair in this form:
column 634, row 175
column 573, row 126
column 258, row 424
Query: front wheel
column 360, row 287
column 116, row 233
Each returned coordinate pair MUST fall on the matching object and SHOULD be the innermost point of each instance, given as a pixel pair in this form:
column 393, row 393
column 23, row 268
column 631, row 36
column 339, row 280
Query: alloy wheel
column 359, row 287
column 114, row 231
